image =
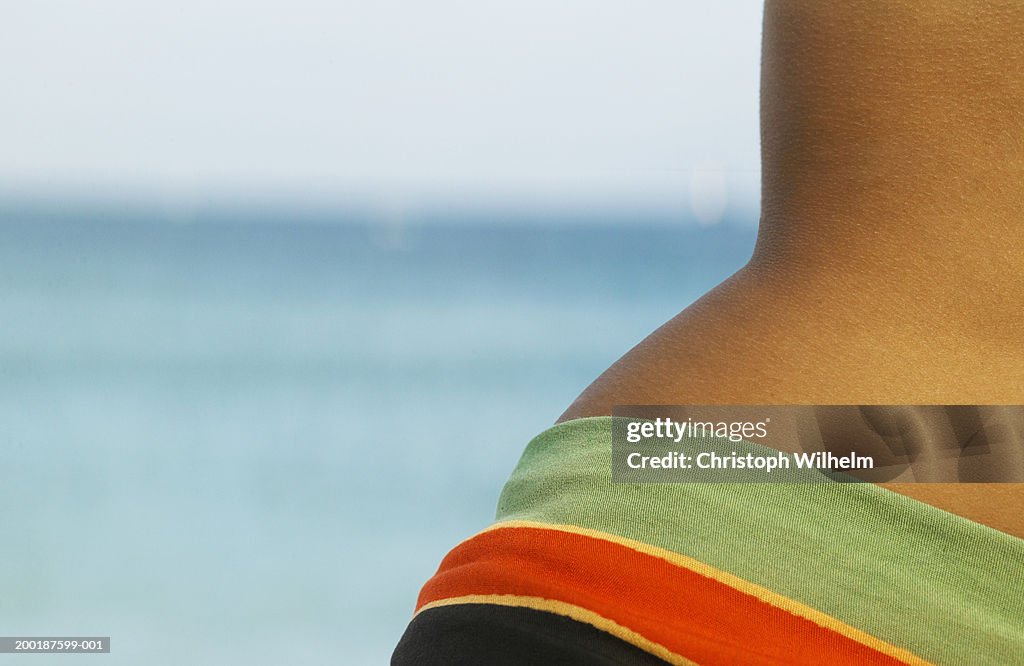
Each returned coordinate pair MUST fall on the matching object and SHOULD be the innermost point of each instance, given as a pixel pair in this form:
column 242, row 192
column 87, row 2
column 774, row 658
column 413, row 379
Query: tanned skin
column 889, row 266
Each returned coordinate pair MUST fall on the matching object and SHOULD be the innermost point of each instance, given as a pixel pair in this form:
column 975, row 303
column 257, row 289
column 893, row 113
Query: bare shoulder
column 753, row 340
column 760, row 338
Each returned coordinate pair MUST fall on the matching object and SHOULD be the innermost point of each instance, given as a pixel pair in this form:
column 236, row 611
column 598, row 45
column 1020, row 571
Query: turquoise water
column 229, row 442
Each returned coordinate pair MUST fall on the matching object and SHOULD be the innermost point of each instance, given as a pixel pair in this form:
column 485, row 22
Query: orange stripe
column 689, row 614
column 762, row 593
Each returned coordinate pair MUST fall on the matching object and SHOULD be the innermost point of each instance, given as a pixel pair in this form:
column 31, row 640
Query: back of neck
column 893, row 150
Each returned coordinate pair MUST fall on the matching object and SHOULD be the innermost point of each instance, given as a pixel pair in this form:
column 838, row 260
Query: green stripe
column 946, row 588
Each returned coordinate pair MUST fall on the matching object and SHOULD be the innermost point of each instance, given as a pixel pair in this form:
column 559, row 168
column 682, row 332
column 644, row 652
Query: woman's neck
column 893, row 152
column 890, row 261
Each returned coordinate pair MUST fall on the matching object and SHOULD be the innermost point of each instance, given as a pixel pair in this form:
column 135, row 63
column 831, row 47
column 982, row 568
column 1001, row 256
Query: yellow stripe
column 762, row 593
column 568, row 610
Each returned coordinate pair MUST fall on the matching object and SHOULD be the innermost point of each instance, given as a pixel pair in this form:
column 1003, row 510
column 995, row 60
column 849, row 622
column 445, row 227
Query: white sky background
column 578, row 101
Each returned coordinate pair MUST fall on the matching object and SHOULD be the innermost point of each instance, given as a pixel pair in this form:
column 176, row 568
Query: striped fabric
column 829, row 573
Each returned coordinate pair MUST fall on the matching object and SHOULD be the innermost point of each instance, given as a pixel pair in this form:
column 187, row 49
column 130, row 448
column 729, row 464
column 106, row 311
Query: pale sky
column 450, row 100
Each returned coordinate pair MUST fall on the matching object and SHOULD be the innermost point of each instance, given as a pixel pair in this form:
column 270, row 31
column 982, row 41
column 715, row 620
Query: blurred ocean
column 251, row 442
